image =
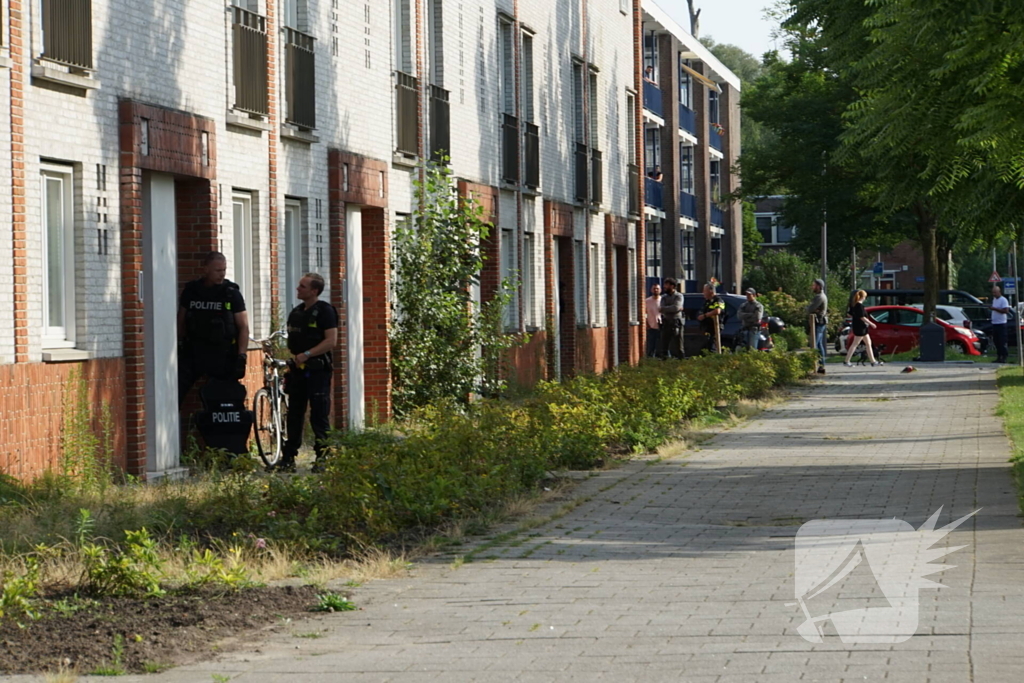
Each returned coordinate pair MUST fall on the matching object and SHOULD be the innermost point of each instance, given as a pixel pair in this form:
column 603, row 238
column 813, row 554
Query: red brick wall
column 529, row 361
column 376, row 314
column 18, row 233
column 558, row 225
column 32, row 398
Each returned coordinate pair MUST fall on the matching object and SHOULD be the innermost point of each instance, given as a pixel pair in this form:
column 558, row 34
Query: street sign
column 1009, row 285
column 919, row 278
column 995, row 277
column 879, row 268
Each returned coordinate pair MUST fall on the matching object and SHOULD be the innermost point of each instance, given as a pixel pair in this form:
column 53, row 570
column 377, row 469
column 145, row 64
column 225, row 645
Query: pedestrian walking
column 213, row 327
column 653, row 306
column 1000, row 308
column 861, row 323
column 671, row 309
column 750, row 314
column 819, row 309
column 312, row 335
column 711, row 315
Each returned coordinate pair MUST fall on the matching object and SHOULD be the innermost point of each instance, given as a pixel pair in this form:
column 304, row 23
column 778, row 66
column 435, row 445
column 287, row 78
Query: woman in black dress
column 861, row 323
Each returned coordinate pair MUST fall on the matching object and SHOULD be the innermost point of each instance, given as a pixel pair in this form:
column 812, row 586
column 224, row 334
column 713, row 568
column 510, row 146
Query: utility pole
column 824, row 222
column 853, row 267
column 1015, row 317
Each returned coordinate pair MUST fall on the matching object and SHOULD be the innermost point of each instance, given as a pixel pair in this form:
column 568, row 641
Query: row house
column 289, row 134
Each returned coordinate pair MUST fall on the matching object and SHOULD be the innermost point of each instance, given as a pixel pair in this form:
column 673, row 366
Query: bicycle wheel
column 267, row 428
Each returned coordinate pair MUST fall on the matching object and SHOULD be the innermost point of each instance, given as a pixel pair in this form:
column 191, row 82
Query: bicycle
column 270, row 404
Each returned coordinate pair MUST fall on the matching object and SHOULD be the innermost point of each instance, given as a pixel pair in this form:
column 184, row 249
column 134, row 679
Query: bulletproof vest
column 209, row 320
column 303, row 331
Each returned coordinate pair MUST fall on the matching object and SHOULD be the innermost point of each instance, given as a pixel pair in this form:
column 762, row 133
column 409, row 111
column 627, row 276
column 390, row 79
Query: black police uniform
column 707, row 325
column 310, row 383
column 211, row 336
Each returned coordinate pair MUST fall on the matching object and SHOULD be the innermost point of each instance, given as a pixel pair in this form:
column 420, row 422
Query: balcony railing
column 714, row 139
column 687, row 205
column 596, row 176
column 634, row 188
column 687, row 119
column 300, row 79
column 249, row 34
column 440, row 124
column 407, row 97
column 509, row 148
column 532, row 155
column 67, row 32
column 717, row 216
column 652, row 98
column 653, row 190
column 582, row 178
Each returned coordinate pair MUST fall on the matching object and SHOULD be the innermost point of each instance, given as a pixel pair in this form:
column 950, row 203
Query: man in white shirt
column 1000, row 307
column 652, row 305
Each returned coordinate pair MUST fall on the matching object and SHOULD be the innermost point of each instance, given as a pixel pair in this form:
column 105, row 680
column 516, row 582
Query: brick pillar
column 272, row 139
column 732, row 247
column 132, row 313
column 641, row 225
column 702, row 184
column 18, row 226
column 612, row 331
column 336, row 274
column 376, row 314
column 668, row 61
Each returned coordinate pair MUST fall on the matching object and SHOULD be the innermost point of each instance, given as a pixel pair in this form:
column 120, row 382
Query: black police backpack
column 225, row 421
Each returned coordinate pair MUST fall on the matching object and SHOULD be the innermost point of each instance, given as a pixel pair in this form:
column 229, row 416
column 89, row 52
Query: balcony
column 249, row 36
column 714, row 138
column 440, row 124
column 687, row 205
column 67, row 32
column 652, row 99
column 582, row 177
column 596, row 177
column 532, row 155
column 407, row 97
column 634, row 189
column 687, row 119
column 300, row 79
column 653, row 190
column 717, row 215
column 509, row 149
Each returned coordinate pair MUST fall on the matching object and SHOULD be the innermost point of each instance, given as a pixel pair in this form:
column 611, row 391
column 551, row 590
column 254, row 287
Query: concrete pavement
column 683, row 569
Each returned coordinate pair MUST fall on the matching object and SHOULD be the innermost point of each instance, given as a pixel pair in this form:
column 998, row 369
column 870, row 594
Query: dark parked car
column 694, row 340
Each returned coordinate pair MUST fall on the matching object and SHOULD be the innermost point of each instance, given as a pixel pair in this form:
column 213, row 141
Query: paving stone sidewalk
column 683, row 569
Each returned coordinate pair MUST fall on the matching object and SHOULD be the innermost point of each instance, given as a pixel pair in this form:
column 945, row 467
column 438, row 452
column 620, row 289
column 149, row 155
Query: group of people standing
column 213, row 341
column 665, row 320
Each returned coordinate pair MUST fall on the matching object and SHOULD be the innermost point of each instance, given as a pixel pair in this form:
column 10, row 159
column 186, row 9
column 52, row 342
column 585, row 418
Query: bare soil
column 156, row 633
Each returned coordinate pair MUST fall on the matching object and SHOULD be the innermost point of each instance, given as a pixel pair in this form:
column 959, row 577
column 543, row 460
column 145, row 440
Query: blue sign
column 879, row 268
column 1009, row 285
column 920, row 278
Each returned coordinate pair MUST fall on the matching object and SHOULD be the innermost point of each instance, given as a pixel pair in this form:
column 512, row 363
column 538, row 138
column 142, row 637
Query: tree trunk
column 944, row 247
column 694, row 20
column 927, row 228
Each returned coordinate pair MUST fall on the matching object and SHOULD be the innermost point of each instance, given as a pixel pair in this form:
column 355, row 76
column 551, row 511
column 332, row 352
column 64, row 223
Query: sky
column 739, row 22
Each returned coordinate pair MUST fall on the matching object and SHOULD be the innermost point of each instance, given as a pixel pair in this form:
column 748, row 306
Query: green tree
column 443, row 341
column 748, row 69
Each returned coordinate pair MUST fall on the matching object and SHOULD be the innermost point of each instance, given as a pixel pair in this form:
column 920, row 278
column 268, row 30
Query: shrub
column 796, row 338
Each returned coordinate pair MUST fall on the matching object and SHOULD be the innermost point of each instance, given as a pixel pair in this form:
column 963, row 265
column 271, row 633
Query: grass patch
column 1011, row 409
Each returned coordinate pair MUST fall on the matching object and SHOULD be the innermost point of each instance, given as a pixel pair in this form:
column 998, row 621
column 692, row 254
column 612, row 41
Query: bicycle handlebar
column 283, row 334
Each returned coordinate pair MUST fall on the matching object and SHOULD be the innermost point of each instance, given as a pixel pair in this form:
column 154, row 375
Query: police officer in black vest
column 213, row 327
column 312, row 334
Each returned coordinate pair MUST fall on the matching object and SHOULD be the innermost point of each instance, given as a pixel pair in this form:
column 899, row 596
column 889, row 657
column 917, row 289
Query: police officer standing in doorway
column 213, row 327
column 312, row 334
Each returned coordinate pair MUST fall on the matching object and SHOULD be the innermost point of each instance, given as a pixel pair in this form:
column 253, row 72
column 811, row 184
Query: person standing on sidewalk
column 1000, row 308
column 710, row 315
column 819, row 309
column 312, row 334
column 652, row 304
column 671, row 309
column 750, row 314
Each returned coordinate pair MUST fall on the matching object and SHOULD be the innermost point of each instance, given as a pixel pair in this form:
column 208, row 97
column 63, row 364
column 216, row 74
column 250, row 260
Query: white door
column 292, row 258
column 241, row 272
column 354, row 299
column 160, row 306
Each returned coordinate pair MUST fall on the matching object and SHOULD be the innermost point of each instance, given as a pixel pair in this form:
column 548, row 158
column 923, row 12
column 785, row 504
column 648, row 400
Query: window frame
column 634, row 293
column 62, row 336
column 508, row 271
column 242, row 247
column 507, row 74
column 293, row 209
column 580, row 285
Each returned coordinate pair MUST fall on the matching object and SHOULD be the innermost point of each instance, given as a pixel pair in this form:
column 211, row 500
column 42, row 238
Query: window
column 508, row 76
column 529, row 277
column 527, row 75
column 651, row 56
column 59, row 257
column 596, row 280
column 632, row 275
column 713, row 106
column 242, row 247
column 294, row 14
column 292, row 256
column 508, row 271
column 580, row 284
column 630, row 128
column 624, row 6
column 688, row 254
column 403, row 36
column 652, row 148
column 594, row 131
column 716, row 258
column 716, row 180
column 685, row 86
column 911, row 318
column 577, row 99
column 772, row 229
column 686, row 168
column 881, row 317
column 654, row 249
column 67, row 32
column 435, row 42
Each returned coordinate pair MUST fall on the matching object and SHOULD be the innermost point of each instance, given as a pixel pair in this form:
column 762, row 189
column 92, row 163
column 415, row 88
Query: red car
column 899, row 329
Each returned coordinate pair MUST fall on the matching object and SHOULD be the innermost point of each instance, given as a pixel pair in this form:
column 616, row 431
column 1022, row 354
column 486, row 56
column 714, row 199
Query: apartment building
column 691, row 142
column 289, row 134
